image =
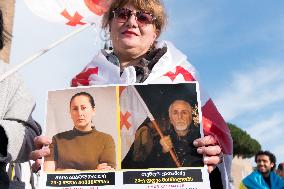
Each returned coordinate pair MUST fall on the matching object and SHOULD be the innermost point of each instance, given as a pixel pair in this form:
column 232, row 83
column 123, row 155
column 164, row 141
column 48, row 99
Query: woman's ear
column 157, row 33
column 93, row 111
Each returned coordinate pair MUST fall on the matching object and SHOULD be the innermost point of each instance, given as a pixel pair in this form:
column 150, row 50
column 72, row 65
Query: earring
column 108, row 45
column 106, row 38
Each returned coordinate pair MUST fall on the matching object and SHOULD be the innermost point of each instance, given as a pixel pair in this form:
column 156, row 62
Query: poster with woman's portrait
column 82, row 123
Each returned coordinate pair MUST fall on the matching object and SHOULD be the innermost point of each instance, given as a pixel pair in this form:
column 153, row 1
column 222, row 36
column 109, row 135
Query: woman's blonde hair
column 154, row 7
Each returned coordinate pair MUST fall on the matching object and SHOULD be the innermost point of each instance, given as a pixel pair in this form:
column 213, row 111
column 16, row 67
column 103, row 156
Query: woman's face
column 82, row 112
column 130, row 37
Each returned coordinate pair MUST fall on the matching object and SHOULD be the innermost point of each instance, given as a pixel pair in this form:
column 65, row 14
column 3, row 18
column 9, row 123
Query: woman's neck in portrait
column 84, row 128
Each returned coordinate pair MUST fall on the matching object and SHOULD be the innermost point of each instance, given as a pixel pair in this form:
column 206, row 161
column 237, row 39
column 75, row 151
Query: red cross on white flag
column 133, row 113
column 69, row 12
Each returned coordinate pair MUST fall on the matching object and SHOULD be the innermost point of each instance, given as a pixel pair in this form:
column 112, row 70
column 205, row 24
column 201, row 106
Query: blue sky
column 237, row 47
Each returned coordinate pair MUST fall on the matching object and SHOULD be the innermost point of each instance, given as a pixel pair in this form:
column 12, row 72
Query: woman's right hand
column 209, row 147
column 41, row 150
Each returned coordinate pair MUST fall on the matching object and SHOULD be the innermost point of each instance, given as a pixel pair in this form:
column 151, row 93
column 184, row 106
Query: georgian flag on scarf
column 172, row 67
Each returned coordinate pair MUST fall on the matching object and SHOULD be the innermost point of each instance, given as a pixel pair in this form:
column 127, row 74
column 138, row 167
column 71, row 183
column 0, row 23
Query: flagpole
column 172, row 153
column 156, row 126
column 43, row 51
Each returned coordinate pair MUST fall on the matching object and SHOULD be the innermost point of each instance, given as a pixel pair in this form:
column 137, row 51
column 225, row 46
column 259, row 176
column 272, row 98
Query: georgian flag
column 69, row 12
column 133, row 112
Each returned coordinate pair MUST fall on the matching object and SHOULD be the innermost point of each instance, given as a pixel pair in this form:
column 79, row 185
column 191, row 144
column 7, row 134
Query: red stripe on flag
column 83, row 77
column 73, row 20
column 214, row 124
column 180, row 70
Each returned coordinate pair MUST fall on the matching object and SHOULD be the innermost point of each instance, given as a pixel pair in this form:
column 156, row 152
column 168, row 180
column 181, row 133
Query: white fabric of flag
column 133, row 113
column 69, row 12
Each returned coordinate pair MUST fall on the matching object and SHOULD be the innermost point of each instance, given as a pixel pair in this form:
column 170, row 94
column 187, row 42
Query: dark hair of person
column 4, row 35
column 281, row 167
column 271, row 156
column 91, row 99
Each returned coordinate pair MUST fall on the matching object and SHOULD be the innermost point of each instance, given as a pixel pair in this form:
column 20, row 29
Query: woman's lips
column 129, row 33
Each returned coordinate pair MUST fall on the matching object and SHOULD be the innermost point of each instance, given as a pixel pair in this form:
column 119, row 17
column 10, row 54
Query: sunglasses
column 142, row 17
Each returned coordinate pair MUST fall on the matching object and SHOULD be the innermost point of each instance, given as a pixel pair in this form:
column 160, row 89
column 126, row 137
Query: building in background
column 240, row 169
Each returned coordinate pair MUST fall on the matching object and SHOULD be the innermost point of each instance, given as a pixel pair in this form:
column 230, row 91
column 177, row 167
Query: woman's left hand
column 41, row 150
column 209, row 147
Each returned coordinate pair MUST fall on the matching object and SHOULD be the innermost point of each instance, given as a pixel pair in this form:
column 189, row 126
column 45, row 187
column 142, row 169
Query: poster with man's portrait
column 158, row 124
column 170, row 123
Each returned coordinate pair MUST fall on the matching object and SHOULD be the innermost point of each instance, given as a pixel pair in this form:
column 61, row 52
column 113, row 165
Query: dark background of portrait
column 158, row 98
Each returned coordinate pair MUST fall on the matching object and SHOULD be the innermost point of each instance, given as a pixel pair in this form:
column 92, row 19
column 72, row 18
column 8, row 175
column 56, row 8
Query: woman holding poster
column 83, row 148
column 136, row 57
